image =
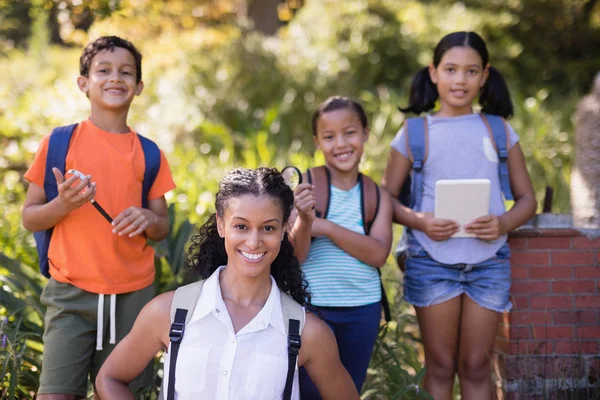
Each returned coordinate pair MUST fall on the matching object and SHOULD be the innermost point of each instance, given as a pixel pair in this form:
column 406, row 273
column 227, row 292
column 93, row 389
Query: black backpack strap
column 369, row 201
column 176, row 335
column 294, row 344
column 385, row 304
column 185, row 298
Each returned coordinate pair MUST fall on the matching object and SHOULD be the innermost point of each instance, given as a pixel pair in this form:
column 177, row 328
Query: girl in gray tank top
column 459, row 286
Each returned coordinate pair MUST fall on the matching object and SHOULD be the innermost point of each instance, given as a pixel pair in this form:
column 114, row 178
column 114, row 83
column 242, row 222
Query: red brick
column 530, row 317
column 573, row 258
column 587, row 272
column 520, row 302
column 519, row 273
column 553, row 332
column 523, row 287
column 520, row 332
column 536, row 243
column 588, row 332
column 592, row 301
column 582, row 242
column 517, row 243
column 551, row 302
column 530, row 347
column 579, row 347
column 574, row 287
column 530, row 258
column 574, row 317
column 550, row 272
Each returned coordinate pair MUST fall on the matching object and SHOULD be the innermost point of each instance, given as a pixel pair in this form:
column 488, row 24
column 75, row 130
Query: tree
column 585, row 177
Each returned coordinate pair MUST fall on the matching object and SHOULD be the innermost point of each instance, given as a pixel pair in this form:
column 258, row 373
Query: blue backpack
column 416, row 136
column 412, row 188
column 58, row 146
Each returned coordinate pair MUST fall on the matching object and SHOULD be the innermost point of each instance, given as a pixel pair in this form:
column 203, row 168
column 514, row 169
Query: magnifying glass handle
column 101, row 210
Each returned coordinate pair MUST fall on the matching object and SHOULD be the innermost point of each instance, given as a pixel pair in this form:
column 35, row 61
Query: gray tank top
column 459, row 148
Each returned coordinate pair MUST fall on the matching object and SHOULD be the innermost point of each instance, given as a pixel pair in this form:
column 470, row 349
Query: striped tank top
column 335, row 278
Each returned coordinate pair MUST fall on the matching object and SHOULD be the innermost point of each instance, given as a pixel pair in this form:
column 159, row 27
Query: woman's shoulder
column 160, row 306
column 314, row 328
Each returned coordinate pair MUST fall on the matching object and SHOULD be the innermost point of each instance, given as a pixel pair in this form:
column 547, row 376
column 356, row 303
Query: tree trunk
column 585, row 177
column 264, row 15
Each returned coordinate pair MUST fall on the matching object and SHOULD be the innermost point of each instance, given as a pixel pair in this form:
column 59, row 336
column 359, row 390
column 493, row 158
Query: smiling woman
column 235, row 343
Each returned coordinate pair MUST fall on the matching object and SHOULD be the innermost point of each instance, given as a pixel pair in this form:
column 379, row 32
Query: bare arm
column 319, row 355
column 149, row 335
column 153, row 221
column 372, row 249
column 304, row 202
column 490, row 227
column 38, row 214
column 397, row 170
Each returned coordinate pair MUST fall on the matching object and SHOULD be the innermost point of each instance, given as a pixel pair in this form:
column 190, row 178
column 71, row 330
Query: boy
column 88, row 256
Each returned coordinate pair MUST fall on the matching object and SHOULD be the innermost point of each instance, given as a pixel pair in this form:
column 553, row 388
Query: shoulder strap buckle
column 418, row 165
column 503, row 154
column 176, row 332
column 294, row 343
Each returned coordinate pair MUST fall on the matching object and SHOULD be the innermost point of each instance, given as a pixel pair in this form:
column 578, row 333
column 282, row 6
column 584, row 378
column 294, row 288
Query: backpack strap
column 182, row 308
column 369, row 201
column 294, row 314
column 152, row 159
column 58, row 147
column 320, row 177
column 417, row 146
column 498, row 131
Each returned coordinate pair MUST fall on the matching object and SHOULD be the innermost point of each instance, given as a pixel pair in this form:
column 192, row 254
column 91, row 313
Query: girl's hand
column 320, row 227
column 487, row 227
column 438, row 229
column 133, row 221
column 305, row 201
column 71, row 195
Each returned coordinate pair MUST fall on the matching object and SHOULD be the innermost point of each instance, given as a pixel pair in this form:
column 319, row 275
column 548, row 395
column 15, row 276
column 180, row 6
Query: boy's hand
column 133, row 221
column 70, row 195
column 304, row 201
column 487, row 227
column 438, row 229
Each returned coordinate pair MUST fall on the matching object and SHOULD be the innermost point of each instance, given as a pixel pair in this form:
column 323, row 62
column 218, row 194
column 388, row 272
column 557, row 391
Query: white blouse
column 214, row 363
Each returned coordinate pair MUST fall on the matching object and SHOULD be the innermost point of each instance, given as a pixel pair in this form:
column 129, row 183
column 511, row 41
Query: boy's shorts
column 70, row 354
column 428, row 282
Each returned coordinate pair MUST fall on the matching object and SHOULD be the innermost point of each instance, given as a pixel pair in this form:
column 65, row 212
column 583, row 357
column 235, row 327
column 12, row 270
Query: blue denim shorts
column 428, row 282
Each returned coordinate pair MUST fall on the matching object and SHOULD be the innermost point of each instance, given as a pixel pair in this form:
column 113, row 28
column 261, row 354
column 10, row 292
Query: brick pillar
column 550, row 341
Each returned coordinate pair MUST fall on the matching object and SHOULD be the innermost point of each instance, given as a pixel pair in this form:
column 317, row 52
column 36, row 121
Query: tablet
column 462, row 200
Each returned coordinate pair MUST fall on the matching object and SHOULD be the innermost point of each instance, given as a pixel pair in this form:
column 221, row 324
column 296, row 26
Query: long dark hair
column 207, row 249
column 494, row 97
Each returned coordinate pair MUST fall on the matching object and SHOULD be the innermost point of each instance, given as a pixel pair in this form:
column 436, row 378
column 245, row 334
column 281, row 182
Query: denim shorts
column 428, row 282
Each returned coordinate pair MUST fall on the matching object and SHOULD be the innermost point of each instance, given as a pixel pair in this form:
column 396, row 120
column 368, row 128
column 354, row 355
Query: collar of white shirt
column 211, row 302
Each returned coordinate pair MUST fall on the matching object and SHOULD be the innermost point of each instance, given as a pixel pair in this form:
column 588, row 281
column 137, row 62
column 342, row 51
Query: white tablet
column 462, row 200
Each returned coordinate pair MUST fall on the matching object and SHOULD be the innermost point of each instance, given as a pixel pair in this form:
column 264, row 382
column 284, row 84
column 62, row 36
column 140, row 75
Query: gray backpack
column 182, row 308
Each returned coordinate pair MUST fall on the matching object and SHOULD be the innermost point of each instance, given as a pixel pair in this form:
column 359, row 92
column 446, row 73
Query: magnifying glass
column 97, row 206
column 292, row 176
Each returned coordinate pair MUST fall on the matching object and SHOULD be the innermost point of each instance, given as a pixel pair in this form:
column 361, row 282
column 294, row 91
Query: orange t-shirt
column 83, row 251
